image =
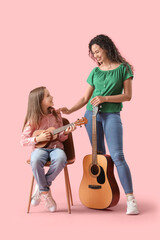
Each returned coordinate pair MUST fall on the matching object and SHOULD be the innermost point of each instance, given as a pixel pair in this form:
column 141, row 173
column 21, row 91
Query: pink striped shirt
column 46, row 122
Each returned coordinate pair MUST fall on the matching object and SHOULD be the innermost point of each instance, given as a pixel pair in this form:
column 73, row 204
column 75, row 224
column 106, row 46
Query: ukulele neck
column 61, row 129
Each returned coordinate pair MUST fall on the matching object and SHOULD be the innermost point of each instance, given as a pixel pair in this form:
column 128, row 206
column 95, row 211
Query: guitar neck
column 61, row 129
column 94, row 140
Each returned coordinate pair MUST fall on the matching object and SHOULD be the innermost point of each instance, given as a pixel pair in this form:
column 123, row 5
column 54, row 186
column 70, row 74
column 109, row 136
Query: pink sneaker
column 49, row 201
column 35, row 200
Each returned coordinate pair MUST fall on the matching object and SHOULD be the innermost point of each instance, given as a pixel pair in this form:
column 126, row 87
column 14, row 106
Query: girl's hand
column 70, row 129
column 98, row 100
column 65, row 110
column 44, row 136
column 54, row 137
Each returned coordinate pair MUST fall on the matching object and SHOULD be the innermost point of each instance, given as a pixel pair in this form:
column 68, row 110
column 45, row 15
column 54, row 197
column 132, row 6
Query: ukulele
column 54, row 131
column 98, row 188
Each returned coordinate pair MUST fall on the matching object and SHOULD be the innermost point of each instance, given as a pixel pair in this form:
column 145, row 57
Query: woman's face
column 47, row 100
column 98, row 53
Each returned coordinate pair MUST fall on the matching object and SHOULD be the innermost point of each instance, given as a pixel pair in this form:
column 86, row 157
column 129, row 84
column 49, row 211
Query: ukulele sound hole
column 94, row 169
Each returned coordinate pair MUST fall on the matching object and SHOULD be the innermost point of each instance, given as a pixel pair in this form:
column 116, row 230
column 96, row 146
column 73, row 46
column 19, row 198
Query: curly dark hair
column 108, row 45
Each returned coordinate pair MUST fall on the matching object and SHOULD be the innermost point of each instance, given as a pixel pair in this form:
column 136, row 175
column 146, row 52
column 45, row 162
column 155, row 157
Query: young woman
column 110, row 84
column 42, row 115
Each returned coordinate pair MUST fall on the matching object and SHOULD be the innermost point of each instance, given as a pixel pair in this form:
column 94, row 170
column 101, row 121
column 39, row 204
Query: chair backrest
column 68, row 144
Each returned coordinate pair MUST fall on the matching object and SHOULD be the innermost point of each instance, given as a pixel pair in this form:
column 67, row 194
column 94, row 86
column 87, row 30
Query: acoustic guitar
column 54, row 131
column 98, row 188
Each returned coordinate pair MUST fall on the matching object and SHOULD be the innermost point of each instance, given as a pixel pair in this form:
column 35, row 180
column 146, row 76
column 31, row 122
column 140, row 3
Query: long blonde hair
column 34, row 110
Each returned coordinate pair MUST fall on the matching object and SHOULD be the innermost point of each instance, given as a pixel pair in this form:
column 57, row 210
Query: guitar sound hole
column 94, row 169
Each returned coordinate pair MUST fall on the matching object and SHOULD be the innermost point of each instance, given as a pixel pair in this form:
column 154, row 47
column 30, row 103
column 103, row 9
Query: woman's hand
column 44, row 136
column 69, row 129
column 65, row 110
column 98, row 100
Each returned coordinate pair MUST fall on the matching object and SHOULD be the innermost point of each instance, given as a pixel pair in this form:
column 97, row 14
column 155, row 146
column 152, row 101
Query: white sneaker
column 49, row 202
column 132, row 206
column 35, row 200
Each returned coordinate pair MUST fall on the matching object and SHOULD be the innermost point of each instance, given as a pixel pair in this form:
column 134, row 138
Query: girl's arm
column 26, row 137
column 126, row 96
column 28, row 140
column 83, row 101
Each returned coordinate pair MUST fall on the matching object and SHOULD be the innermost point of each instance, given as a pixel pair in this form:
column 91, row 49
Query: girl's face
column 47, row 101
column 98, row 53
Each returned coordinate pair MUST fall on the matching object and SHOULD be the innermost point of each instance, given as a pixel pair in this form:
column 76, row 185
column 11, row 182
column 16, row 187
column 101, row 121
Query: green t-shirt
column 108, row 83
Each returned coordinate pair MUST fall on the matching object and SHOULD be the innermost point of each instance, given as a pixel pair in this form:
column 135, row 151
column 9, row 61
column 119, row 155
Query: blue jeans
column 38, row 159
column 109, row 126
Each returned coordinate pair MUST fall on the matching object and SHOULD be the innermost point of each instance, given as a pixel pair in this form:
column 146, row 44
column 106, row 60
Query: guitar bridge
column 94, row 186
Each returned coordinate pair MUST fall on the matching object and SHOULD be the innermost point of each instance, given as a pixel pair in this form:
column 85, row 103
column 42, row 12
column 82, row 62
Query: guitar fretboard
column 94, row 140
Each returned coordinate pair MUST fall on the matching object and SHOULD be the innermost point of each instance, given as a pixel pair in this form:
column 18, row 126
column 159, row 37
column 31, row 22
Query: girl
column 106, row 85
column 42, row 115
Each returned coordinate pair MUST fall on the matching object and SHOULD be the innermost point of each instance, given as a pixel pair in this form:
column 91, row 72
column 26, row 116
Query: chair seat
column 48, row 162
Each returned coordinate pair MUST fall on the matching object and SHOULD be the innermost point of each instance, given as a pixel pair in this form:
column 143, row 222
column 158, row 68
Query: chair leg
column 69, row 186
column 67, row 189
column 30, row 195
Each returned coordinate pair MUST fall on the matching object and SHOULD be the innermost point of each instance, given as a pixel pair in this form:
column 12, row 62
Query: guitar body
column 98, row 188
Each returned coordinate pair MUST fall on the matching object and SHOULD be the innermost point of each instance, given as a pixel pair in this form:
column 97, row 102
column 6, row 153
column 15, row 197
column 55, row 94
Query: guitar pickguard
column 101, row 177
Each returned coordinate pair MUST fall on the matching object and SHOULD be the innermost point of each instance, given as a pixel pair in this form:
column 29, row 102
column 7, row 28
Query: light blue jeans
column 110, row 126
column 38, row 159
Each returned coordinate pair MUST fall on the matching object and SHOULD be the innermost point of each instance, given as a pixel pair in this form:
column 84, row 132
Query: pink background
column 46, row 43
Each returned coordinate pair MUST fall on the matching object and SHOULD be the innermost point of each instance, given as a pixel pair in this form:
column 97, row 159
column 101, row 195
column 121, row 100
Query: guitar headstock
column 81, row 121
column 95, row 110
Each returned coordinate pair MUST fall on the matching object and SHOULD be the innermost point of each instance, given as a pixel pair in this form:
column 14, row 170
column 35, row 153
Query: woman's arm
column 126, row 96
column 83, row 101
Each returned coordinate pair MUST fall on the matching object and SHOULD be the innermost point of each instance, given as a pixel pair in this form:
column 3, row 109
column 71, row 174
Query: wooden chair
column 69, row 150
